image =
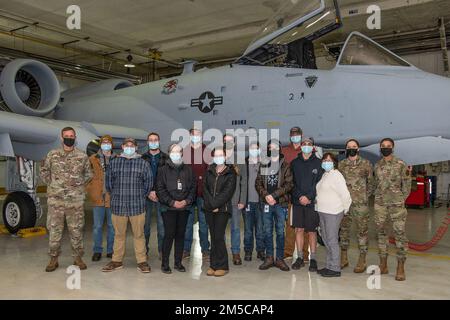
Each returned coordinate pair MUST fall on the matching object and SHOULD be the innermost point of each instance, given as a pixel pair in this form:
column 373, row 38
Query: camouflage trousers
column 397, row 214
column 360, row 214
column 72, row 212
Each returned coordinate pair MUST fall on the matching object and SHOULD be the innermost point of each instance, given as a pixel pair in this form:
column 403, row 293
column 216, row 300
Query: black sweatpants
column 174, row 229
column 217, row 223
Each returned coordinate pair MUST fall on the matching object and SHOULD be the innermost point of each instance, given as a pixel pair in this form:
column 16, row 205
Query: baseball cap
column 308, row 139
column 296, row 130
column 126, row 140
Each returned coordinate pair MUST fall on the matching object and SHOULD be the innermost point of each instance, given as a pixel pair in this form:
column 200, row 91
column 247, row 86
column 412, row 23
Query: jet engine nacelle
column 98, row 87
column 28, row 87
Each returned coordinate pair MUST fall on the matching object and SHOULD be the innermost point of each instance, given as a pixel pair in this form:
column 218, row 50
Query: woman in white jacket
column 333, row 201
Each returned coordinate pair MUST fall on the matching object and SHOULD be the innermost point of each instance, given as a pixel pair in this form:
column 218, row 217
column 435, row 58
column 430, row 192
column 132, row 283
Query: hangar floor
column 23, row 261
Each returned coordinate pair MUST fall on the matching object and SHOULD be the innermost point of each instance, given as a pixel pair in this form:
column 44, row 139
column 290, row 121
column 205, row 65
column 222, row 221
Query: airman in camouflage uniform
column 358, row 174
column 392, row 187
column 66, row 171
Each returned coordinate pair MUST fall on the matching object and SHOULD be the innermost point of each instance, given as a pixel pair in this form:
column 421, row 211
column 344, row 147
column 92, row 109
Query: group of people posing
column 287, row 197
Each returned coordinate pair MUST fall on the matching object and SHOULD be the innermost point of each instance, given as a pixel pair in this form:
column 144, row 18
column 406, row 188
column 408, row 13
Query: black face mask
column 386, row 151
column 351, row 152
column 69, row 142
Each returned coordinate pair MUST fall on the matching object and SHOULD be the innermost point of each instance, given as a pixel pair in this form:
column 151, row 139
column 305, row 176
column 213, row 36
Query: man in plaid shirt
column 129, row 181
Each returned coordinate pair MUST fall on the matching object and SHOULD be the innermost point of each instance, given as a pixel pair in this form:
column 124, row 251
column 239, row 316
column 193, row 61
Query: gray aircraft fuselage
column 365, row 102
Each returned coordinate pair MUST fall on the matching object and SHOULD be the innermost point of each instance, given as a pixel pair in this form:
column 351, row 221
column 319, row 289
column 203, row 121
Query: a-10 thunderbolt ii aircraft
column 371, row 93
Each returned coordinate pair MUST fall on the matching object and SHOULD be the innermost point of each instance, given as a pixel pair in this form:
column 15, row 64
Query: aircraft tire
column 19, row 212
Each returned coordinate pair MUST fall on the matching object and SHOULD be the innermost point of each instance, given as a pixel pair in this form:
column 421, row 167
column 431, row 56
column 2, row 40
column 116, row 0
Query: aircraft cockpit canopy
column 361, row 51
column 286, row 38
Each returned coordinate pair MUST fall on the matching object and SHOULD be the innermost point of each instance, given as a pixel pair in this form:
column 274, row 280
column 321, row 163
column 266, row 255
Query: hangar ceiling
column 209, row 31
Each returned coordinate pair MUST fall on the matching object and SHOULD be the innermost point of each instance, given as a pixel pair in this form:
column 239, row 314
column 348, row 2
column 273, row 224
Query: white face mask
column 129, row 151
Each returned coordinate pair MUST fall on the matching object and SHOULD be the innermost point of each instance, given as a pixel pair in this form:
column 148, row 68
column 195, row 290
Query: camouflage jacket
column 66, row 174
column 358, row 175
column 392, row 182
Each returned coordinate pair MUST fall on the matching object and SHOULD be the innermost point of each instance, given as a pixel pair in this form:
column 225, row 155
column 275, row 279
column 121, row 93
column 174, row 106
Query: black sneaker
column 298, row 264
column 313, row 265
column 109, row 255
column 166, row 269
column 330, row 273
column 261, row 255
column 248, row 256
column 179, row 267
column 96, row 256
column 320, row 271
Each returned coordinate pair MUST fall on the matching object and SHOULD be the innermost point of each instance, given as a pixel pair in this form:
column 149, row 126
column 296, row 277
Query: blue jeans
column 150, row 205
column 236, row 230
column 99, row 218
column 276, row 216
column 253, row 222
column 202, row 227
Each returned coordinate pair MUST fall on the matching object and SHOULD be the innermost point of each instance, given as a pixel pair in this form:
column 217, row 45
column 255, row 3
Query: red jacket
column 290, row 153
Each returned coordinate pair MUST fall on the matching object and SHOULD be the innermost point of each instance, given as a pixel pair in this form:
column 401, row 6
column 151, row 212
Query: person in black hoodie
column 156, row 158
column 218, row 189
column 307, row 171
column 175, row 188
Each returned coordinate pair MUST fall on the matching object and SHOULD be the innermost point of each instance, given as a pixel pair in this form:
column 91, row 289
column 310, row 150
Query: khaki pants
column 120, row 224
column 289, row 242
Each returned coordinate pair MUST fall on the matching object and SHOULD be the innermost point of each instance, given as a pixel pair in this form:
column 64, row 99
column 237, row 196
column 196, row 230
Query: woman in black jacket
column 175, row 188
column 218, row 189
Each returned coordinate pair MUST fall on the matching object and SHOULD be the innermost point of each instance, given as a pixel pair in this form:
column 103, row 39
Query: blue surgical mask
column 153, row 145
column 106, row 147
column 327, row 165
column 129, row 151
column 254, row 153
column 296, row 139
column 219, row 160
column 175, row 157
column 307, row 149
column 196, row 139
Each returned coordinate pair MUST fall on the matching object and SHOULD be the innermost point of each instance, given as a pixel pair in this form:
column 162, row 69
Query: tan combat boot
column 344, row 258
column 383, row 265
column 361, row 266
column 400, row 276
column 79, row 262
column 52, row 265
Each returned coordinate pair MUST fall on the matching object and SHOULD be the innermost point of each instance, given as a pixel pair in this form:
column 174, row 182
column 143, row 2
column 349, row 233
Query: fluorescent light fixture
column 294, row 33
column 129, row 65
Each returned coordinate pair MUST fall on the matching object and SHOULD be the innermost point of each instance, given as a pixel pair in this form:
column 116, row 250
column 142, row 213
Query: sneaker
column 112, row 266
column 298, row 264
column 237, row 259
column 144, row 267
column 320, row 271
column 205, row 256
column 261, row 255
column 312, row 265
column 109, row 255
column 179, row 267
column 166, row 269
column 330, row 273
column 248, row 256
column 96, row 257
column 186, row 254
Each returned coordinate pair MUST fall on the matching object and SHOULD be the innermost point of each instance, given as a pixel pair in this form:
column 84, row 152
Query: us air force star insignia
column 206, row 102
column 311, row 81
